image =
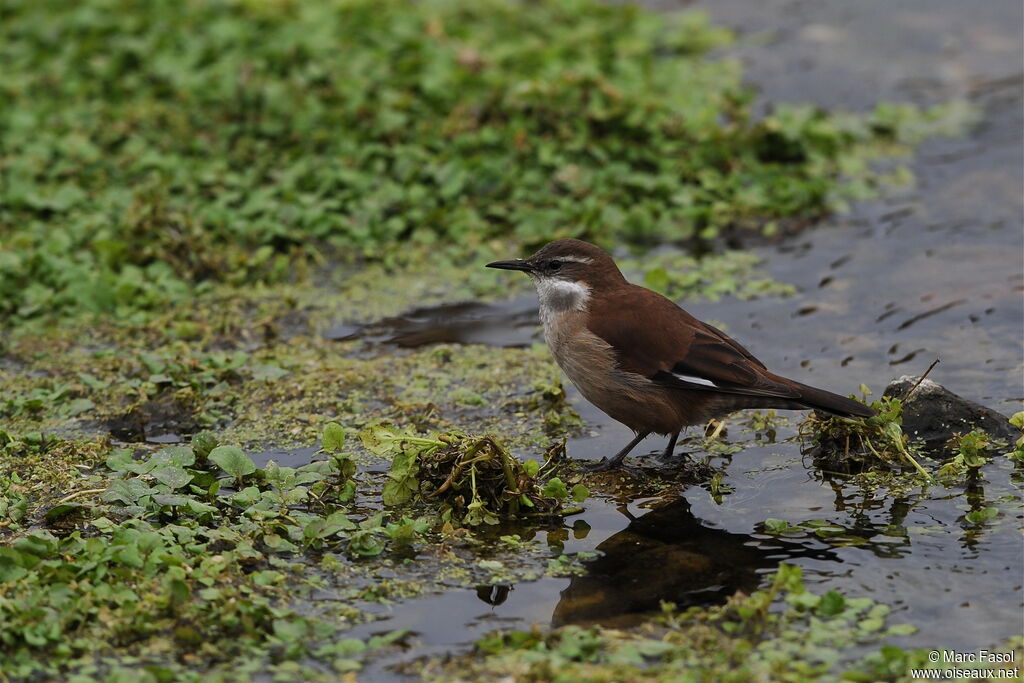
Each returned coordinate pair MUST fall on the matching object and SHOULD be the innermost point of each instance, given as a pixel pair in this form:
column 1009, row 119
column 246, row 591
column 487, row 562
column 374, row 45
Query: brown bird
column 642, row 359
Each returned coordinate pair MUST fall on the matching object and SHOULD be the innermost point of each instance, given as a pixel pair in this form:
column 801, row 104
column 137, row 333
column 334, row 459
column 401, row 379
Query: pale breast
column 590, row 364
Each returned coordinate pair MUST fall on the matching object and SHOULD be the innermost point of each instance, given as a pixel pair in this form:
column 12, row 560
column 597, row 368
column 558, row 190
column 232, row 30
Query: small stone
column 933, row 414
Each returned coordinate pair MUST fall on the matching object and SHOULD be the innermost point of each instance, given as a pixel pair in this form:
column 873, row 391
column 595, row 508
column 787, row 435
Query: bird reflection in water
column 669, row 555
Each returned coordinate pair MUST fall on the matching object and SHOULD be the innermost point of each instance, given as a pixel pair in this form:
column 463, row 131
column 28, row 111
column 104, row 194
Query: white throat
column 558, row 296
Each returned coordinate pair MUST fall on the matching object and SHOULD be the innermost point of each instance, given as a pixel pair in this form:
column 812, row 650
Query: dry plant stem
column 458, row 469
column 78, row 494
column 921, row 379
column 719, row 426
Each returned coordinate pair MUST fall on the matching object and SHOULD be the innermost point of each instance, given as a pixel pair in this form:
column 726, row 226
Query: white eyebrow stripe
column 574, row 259
column 695, row 380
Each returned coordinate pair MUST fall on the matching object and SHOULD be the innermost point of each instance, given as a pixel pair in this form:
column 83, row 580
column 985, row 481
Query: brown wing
column 653, row 337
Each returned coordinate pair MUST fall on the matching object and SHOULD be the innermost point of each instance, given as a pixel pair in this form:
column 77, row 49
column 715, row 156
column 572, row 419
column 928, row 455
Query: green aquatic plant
column 1017, row 420
column 13, row 501
column 833, row 533
column 234, row 461
column 970, row 453
column 333, row 442
column 153, row 152
column 186, row 535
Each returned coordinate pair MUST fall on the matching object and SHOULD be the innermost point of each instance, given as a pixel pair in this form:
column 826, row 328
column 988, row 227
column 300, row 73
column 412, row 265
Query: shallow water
column 932, row 272
column 510, row 324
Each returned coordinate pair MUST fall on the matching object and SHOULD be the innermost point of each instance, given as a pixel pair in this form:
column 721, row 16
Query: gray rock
column 933, row 414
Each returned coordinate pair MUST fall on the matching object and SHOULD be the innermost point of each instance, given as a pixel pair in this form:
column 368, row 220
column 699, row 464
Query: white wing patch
column 695, row 380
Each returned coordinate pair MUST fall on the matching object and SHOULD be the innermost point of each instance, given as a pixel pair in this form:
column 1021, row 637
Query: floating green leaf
column 402, row 484
column 776, row 526
column 172, row 476
column 58, row 512
column 333, row 438
column 981, row 515
column 202, row 444
column 128, row 492
column 555, row 488
column 832, row 603
column 580, row 493
column 232, row 460
column 121, row 460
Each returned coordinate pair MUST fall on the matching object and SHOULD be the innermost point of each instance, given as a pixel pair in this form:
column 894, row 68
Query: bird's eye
column 554, row 265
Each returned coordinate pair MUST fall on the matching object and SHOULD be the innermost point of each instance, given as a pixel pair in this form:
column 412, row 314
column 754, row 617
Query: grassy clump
column 151, row 149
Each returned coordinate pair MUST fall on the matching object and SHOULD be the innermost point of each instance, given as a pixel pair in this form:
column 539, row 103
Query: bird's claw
column 602, row 465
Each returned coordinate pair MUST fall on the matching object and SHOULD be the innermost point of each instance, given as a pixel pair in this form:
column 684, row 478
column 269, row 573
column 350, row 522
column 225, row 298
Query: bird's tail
column 831, row 403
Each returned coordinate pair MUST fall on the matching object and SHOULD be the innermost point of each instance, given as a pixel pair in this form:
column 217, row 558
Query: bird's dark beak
column 516, row 264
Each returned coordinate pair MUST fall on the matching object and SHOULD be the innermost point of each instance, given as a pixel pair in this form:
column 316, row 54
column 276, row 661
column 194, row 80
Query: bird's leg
column 617, row 459
column 624, row 510
column 671, row 445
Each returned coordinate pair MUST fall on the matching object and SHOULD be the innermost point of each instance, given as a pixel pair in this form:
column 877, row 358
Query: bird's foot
column 619, row 467
column 603, row 465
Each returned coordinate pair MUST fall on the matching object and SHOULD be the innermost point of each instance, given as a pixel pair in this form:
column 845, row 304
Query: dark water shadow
column 506, row 324
column 670, row 555
column 286, row 457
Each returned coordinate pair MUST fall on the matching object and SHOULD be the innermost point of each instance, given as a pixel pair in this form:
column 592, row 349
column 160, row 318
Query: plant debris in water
column 843, row 444
column 474, row 480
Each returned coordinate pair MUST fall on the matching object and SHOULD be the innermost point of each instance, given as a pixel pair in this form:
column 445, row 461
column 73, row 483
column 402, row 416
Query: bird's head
column 567, row 272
